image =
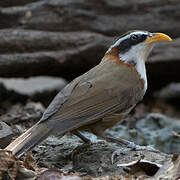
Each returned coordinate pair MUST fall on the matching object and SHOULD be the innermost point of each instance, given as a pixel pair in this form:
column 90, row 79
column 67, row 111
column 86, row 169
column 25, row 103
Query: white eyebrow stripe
column 125, row 37
column 139, row 32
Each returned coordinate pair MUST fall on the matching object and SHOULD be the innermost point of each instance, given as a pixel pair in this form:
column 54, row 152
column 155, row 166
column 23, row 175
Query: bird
column 101, row 97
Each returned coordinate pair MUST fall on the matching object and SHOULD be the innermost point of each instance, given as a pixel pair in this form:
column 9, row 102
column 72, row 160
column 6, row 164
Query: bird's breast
column 135, row 70
column 123, row 82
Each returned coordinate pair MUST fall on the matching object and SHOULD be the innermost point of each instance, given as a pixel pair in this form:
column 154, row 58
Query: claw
column 117, row 153
column 131, row 146
column 142, row 148
column 78, row 149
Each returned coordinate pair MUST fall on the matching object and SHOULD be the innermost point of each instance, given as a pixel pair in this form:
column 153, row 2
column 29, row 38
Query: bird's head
column 135, row 45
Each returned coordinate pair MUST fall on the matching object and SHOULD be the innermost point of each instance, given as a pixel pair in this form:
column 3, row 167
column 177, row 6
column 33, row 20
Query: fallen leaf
column 175, row 134
column 30, row 162
column 9, row 164
column 142, row 166
column 170, row 170
column 54, row 174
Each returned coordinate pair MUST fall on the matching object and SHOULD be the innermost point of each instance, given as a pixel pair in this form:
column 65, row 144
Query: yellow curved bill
column 156, row 37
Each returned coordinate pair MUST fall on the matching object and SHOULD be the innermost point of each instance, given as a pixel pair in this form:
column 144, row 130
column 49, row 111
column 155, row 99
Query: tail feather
column 29, row 139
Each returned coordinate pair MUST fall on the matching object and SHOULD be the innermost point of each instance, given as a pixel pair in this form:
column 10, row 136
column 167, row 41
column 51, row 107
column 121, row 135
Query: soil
column 71, row 155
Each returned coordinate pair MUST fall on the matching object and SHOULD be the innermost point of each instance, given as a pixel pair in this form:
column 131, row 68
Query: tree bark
column 66, row 38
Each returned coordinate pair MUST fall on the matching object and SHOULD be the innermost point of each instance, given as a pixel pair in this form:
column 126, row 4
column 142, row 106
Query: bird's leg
column 128, row 144
column 120, row 141
column 92, row 138
column 81, row 136
column 86, row 143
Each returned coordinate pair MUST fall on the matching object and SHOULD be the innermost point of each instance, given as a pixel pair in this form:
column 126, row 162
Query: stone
column 170, row 92
column 41, row 88
column 163, row 65
column 67, row 38
column 27, row 114
column 6, row 134
column 153, row 129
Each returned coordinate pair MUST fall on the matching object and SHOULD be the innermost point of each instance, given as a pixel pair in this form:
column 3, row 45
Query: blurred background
column 45, row 44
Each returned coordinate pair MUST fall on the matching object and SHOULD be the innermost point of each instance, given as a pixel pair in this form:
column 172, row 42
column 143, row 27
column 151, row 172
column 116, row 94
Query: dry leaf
column 170, row 170
column 30, row 162
column 175, row 134
column 142, row 167
column 53, row 174
column 9, row 164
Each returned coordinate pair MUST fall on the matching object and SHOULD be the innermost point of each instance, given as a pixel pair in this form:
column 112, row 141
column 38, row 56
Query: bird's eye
column 134, row 37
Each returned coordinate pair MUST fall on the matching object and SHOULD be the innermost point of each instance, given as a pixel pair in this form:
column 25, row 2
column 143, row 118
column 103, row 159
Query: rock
column 55, row 152
column 170, row 169
column 6, row 134
column 163, row 65
column 66, row 54
column 3, row 92
column 158, row 131
column 75, row 36
column 8, row 3
column 171, row 92
column 36, row 88
column 56, row 174
column 93, row 16
column 70, row 155
column 26, row 115
column 33, row 85
column 154, row 129
column 95, row 160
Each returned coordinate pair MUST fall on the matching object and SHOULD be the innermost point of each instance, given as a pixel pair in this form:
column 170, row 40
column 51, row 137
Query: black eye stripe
column 134, row 39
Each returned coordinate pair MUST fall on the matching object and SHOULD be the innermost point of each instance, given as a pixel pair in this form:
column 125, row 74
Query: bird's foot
column 131, row 146
column 79, row 149
column 136, row 147
column 88, row 139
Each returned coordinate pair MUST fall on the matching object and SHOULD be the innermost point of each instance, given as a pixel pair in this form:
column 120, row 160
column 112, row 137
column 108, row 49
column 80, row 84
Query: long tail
column 29, row 139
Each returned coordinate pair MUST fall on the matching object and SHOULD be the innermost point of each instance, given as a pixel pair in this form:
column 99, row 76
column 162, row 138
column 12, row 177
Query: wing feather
column 104, row 89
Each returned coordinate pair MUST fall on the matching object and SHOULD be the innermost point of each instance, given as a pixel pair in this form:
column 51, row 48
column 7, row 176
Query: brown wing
column 60, row 99
column 104, row 89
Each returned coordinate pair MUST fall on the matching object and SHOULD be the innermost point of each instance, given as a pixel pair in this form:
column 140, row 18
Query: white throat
column 137, row 55
column 141, row 69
